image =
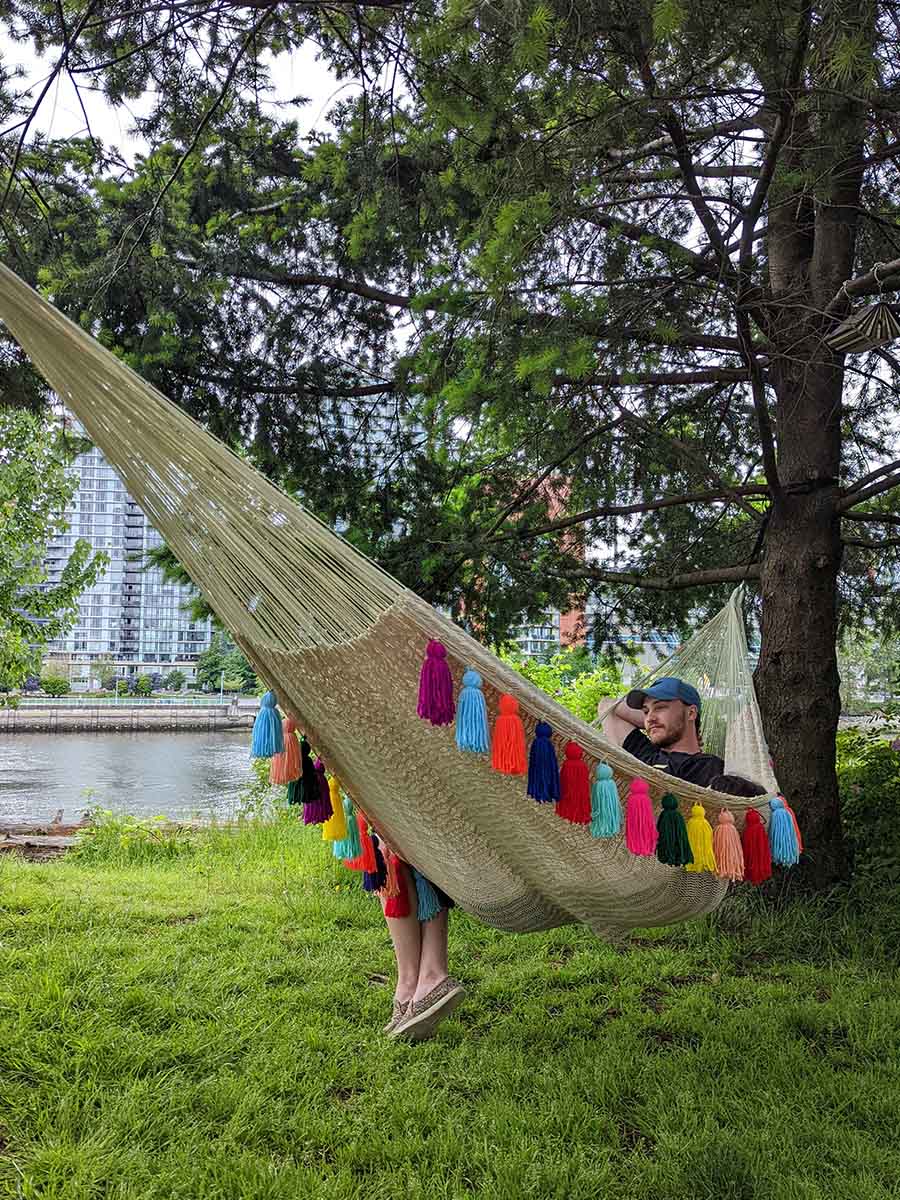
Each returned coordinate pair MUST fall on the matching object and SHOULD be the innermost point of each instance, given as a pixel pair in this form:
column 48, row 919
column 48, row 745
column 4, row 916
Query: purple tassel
column 436, row 686
column 318, row 810
column 374, row 881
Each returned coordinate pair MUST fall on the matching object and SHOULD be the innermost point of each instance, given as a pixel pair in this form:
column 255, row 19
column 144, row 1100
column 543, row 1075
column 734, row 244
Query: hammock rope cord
column 342, row 643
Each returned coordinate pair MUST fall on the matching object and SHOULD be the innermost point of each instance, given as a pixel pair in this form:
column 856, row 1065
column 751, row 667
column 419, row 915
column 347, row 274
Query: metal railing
column 77, row 701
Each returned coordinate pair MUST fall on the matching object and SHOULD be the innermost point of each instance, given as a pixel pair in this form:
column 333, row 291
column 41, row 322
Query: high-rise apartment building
column 130, row 616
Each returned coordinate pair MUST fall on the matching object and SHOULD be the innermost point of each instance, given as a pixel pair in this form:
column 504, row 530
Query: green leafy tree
column 175, row 680
column 554, row 277
column 571, row 678
column 55, row 685
column 34, row 492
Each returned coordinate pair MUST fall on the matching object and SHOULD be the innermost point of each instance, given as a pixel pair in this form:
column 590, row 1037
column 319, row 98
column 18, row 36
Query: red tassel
column 757, row 855
column 365, row 860
column 508, row 745
column 575, row 787
column 397, row 906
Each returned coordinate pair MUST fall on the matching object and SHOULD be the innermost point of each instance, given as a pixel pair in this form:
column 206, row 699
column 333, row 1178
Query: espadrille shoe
column 424, row 1016
column 397, row 1014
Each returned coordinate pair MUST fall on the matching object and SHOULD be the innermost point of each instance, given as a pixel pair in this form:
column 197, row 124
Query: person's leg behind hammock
column 425, row 991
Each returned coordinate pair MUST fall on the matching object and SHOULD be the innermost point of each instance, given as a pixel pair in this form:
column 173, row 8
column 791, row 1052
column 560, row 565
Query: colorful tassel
column 398, row 905
column 429, row 904
column 471, row 716
column 295, row 791
column 374, row 881
column 267, row 737
column 318, row 808
column 392, row 880
column 575, row 787
column 508, row 749
column 700, row 836
column 640, row 829
column 727, row 848
column 797, row 832
column 350, row 847
column 673, row 846
column 365, row 860
column 757, row 855
column 606, row 808
column 435, row 686
column 335, row 828
column 543, row 769
column 285, row 766
column 782, row 835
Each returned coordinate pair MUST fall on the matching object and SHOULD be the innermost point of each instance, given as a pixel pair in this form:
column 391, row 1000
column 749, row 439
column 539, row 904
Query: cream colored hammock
column 342, row 644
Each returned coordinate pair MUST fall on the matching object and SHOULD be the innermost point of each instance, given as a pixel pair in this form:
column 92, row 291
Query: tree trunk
column 797, row 676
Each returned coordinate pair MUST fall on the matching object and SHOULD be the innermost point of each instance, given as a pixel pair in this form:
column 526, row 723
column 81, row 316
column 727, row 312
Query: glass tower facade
column 130, row 616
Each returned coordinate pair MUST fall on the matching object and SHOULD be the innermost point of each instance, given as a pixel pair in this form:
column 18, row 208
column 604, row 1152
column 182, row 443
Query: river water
column 175, row 774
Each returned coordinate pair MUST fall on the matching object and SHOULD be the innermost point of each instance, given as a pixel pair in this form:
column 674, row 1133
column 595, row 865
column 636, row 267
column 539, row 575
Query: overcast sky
column 60, row 114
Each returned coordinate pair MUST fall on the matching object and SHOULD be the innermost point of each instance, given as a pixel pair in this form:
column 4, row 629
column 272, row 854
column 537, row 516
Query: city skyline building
column 131, row 615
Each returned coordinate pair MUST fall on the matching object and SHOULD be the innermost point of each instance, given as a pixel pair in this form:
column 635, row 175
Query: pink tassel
column 436, row 686
column 641, row 834
column 727, row 848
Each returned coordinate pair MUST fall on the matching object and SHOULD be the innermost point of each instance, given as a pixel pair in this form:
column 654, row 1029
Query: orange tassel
column 727, row 848
column 285, row 766
column 392, row 883
column 508, row 745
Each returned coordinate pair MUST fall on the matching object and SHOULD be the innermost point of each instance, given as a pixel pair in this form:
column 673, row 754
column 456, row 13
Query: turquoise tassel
column 429, row 905
column 268, row 738
column 782, row 835
column 606, row 809
column 471, row 716
column 350, row 846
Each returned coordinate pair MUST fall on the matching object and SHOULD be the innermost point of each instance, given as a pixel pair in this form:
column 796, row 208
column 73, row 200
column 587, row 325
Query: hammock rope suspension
column 342, row 644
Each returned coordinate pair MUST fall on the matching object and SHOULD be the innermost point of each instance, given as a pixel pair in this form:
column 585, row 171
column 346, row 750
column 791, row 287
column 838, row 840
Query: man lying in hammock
column 661, row 726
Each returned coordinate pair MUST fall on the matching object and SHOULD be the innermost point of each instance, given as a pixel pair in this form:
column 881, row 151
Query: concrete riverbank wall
column 123, row 718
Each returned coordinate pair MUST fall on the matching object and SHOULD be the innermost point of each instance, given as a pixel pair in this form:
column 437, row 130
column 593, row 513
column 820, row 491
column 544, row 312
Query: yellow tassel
column 335, row 828
column 700, row 836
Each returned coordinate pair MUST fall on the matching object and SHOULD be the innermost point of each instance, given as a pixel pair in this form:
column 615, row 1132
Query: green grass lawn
column 211, row 1027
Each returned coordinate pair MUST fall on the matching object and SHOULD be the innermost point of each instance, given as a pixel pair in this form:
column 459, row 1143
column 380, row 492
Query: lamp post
column 222, row 688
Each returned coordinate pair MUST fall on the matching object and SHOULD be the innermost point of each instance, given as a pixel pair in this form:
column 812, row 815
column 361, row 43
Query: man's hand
column 618, row 720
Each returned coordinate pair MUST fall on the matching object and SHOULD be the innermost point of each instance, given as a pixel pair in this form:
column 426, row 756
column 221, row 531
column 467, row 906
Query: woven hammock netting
column 341, row 643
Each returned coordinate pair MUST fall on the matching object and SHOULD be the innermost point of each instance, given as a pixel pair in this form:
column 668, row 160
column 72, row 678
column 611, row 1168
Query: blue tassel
column 471, row 716
column 429, row 904
column 374, row 881
column 606, row 809
column 543, row 769
column 782, row 835
column 267, row 736
column 350, row 846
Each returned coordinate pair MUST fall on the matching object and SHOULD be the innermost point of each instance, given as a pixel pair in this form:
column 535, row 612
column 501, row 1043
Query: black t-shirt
column 695, row 768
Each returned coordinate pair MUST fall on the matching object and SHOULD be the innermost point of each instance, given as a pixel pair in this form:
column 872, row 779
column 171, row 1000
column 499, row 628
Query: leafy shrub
column 571, row 678
column 175, row 680
column 55, row 685
column 123, row 839
column 869, row 785
column 143, row 685
column 31, row 684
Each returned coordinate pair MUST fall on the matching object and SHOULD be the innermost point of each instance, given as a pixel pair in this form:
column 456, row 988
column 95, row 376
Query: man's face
column 666, row 721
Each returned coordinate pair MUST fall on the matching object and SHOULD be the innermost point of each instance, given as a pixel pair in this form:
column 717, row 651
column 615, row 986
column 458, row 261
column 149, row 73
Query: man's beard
column 668, row 739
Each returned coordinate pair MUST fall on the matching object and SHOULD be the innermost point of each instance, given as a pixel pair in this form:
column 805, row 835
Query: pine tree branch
column 657, row 378
column 871, row 485
column 876, row 518
column 669, row 583
column 871, row 544
column 621, row 510
column 888, row 279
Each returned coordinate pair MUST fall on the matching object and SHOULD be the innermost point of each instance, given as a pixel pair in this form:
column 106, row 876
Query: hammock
column 342, row 643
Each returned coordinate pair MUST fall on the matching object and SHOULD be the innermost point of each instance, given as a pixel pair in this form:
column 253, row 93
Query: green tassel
column 673, row 846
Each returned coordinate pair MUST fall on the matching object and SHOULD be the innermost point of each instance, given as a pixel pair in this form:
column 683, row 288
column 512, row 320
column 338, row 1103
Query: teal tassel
column 471, row 716
column 782, row 835
column 349, row 847
column 267, row 738
column 606, row 809
column 429, row 905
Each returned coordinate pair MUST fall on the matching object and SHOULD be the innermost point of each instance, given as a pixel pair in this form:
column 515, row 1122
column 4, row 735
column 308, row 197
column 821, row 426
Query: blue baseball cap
column 667, row 688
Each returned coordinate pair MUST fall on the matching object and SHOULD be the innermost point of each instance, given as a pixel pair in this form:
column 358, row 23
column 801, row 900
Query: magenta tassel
column 436, row 686
column 641, row 834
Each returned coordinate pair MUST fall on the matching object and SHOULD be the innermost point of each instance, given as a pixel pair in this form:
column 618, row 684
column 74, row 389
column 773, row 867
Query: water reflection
column 180, row 774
